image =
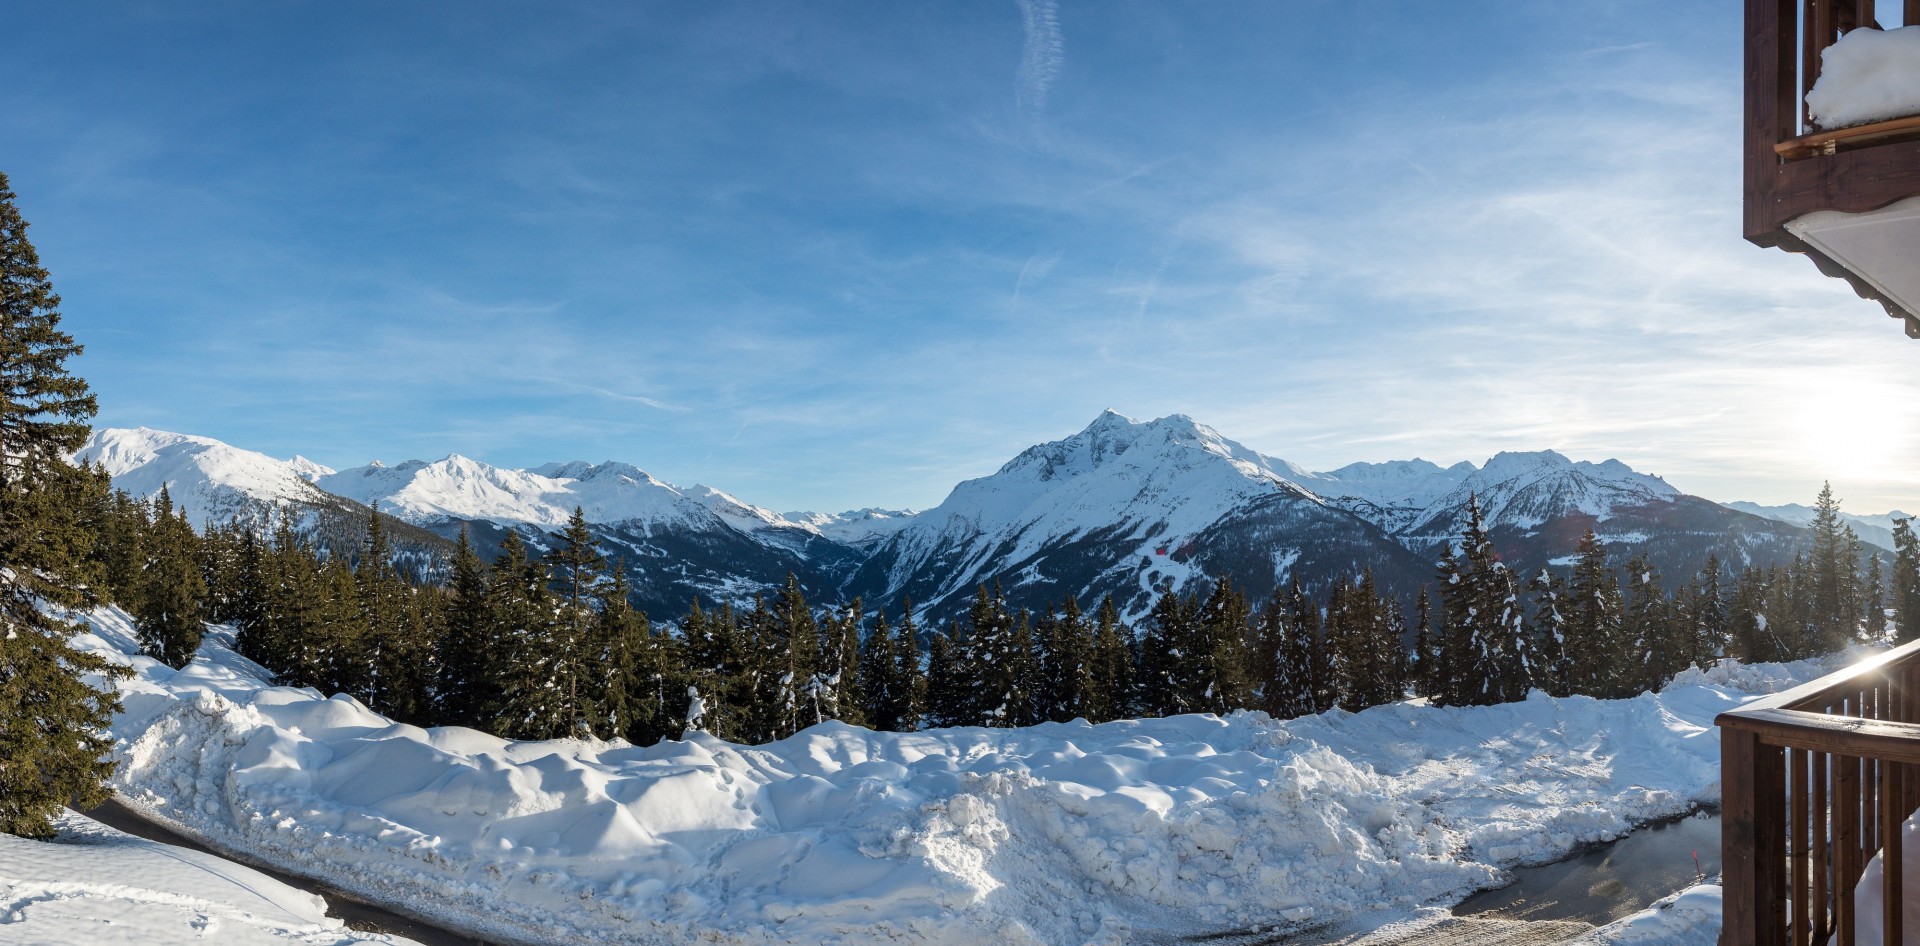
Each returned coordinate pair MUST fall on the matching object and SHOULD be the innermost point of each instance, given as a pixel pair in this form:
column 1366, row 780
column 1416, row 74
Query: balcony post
column 1753, row 840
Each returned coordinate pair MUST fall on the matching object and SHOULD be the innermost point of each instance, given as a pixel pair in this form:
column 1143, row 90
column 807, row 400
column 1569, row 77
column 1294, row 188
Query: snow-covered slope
column 94, row 886
column 1874, row 530
column 210, row 480
column 1136, row 831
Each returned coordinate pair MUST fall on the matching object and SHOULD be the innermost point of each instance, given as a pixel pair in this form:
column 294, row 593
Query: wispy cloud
column 1041, row 56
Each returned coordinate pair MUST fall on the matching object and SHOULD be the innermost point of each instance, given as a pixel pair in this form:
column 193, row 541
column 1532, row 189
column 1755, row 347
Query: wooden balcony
column 1794, row 168
column 1814, row 783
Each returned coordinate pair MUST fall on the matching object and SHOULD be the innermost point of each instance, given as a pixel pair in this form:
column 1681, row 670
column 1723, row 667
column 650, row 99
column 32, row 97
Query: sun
column 1853, row 429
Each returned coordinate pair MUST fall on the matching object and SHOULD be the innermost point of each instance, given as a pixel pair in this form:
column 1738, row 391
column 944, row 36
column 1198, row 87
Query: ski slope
column 1062, row 833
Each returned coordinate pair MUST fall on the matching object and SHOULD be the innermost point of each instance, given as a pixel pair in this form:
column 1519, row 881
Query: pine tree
column 1066, row 645
column 1110, row 693
column 1549, row 593
column 519, row 610
column 1426, row 646
column 52, row 751
column 392, row 684
column 792, row 637
column 1219, row 662
column 168, row 614
column 1593, row 630
column 577, row 568
column 838, row 687
column 1648, row 625
column 1903, row 584
column 911, row 710
column 463, row 691
column 1873, row 617
column 881, row 688
column 1489, row 658
column 1708, row 610
column 949, row 687
column 1173, row 675
column 1833, row 594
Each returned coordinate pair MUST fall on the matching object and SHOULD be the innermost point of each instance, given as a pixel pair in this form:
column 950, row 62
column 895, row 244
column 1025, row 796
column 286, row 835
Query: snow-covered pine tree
column 1491, row 659
column 52, row 751
column 1649, row 629
column 1903, row 585
column 1593, row 623
column 724, row 666
column 837, row 682
column 1707, row 613
column 1312, row 656
column 792, row 641
column 1222, row 649
column 1549, row 593
column 169, row 612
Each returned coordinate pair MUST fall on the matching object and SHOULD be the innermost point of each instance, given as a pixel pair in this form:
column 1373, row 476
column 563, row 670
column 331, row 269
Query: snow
column 1872, row 529
column 1688, row 918
column 458, row 487
column 1867, row 76
column 1061, row 833
column 856, row 527
column 210, row 481
column 1869, row 896
column 94, row 886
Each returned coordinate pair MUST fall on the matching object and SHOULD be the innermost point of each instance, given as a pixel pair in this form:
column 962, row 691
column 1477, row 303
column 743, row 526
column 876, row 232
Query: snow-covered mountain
column 1122, row 508
column 212, row 482
column 1873, row 530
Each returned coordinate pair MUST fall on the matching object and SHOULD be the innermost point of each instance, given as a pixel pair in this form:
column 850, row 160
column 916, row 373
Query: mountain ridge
column 1123, row 507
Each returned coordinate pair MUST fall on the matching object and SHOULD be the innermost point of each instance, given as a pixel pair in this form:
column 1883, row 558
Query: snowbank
column 1868, row 76
column 1688, row 918
column 94, row 886
column 1869, row 896
column 1065, row 833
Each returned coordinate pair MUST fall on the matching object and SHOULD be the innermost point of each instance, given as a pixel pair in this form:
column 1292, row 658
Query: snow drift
column 1868, row 76
column 1064, row 833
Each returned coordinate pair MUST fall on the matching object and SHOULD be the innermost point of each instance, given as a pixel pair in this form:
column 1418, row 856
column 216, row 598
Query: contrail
column 1040, row 58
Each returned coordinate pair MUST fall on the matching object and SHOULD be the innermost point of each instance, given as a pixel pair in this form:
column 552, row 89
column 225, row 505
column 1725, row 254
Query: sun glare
column 1852, row 429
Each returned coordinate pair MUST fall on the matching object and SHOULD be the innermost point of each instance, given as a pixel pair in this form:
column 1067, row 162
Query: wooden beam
column 1752, row 836
column 1834, row 685
column 1870, row 738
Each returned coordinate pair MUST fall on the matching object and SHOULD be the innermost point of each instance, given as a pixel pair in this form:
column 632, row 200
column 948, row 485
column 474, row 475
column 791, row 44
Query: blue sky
column 827, row 255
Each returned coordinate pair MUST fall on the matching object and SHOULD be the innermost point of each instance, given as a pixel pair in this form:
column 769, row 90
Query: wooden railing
column 1814, row 782
column 1793, row 167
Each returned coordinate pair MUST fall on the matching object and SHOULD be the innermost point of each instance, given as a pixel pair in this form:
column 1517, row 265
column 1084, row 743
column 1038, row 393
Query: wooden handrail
column 1816, row 781
column 1830, row 142
column 1838, row 735
column 1806, row 694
